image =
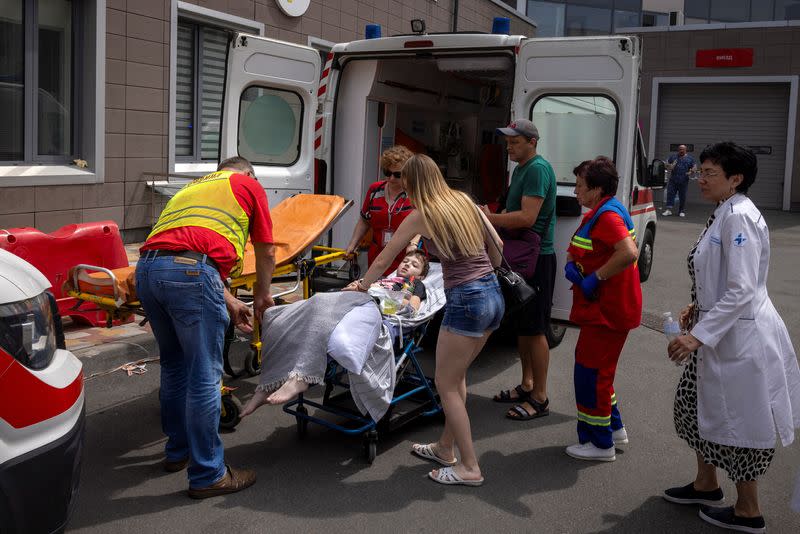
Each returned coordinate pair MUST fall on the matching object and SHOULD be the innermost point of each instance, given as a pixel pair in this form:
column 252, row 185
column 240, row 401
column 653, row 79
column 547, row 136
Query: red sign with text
column 724, row 57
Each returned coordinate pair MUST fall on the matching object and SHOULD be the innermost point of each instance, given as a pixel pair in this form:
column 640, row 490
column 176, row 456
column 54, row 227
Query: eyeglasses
column 387, row 173
column 706, row 174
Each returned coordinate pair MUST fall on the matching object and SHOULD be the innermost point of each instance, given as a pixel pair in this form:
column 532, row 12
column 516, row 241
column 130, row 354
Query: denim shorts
column 474, row 308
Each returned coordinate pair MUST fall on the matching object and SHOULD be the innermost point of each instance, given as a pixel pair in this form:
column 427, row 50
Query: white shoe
column 667, row 213
column 620, row 436
column 682, row 214
column 587, row 451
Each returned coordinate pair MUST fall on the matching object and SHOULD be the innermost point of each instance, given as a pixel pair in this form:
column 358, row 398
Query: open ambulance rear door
column 582, row 94
column 268, row 112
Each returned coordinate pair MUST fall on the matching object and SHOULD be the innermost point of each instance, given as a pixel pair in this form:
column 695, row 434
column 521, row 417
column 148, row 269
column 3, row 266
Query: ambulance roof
column 410, row 43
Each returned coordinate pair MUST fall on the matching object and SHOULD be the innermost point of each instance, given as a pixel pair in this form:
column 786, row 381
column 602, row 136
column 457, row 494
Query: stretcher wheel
column 371, row 446
column 252, row 363
column 302, row 424
column 354, row 271
column 230, row 415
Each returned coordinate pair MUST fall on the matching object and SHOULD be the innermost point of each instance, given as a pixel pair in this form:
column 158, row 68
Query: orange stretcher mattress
column 297, row 222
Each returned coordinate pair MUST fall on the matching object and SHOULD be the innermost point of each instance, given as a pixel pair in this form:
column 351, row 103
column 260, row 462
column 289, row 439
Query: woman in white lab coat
column 741, row 382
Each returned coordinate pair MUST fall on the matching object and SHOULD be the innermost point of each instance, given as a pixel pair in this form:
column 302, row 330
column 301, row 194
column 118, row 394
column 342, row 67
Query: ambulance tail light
column 425, row 43
column 320, row 176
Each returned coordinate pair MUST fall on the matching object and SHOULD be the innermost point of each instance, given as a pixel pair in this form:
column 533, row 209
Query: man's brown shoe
column 233, row 481
column 175, row 466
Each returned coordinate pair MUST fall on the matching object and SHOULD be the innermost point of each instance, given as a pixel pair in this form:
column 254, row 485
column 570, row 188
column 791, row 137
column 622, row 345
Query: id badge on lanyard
column 388, row 233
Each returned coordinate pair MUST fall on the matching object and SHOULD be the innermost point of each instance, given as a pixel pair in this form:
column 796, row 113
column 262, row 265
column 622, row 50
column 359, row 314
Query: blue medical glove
column 573, row 273
column 589, row 286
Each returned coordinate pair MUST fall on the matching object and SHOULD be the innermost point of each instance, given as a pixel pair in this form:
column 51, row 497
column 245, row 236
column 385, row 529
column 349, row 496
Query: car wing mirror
column 656, row 174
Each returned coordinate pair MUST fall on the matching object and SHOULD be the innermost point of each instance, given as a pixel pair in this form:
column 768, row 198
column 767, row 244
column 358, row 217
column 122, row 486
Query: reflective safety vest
column 581, row 238
column 208, row 202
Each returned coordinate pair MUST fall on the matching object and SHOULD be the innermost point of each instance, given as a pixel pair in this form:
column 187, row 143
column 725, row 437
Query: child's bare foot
column 259, row 398
column 289, row 390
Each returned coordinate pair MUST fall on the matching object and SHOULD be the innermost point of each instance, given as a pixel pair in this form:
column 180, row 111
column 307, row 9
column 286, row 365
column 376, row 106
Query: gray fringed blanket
column 295, row 337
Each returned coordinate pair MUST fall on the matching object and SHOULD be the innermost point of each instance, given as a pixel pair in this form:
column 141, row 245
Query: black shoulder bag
column 516, row 291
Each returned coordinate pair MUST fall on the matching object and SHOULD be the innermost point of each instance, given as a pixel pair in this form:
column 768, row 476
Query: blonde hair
column 395, row 155
column 451, row 217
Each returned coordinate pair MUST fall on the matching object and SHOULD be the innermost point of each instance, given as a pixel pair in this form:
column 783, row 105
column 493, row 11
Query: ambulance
column 309, row 127
column 41, row 405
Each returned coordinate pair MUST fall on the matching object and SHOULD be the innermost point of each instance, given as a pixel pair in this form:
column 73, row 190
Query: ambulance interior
column 445, row 106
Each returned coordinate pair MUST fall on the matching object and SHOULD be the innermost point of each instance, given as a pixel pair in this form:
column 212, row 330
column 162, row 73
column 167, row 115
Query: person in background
column 531, row 202
column 456, row 232
column 681, row 164
column 385, row 206
column 197, row 242
column 741, row 383
column 606, row 304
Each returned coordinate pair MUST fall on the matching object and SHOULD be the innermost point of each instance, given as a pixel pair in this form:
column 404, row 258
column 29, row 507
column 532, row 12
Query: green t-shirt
column 536, row 178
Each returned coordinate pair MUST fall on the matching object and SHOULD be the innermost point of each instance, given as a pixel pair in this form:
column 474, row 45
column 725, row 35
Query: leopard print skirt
column 741, row 463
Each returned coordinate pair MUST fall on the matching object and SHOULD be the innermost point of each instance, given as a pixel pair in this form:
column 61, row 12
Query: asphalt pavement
column 323, row 484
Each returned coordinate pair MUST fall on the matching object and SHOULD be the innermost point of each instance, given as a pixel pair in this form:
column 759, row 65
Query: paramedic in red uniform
column 385, row 206
column 606, row 304
column 197, row 242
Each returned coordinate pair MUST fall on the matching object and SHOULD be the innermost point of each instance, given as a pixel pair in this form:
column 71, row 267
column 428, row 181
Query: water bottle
column 671, row 329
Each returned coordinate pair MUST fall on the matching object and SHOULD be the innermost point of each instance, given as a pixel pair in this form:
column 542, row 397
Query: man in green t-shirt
column 530, row 203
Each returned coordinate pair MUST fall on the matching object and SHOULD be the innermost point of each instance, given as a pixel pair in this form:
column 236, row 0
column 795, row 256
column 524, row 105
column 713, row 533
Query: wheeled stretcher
column 414, row 393
column 298, row 222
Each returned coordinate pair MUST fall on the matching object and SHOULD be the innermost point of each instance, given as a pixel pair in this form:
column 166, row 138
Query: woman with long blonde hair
column 457, row 232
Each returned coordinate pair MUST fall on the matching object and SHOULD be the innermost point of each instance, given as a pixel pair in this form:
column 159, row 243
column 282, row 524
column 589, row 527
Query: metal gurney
column 298, row 222
column 414, row 393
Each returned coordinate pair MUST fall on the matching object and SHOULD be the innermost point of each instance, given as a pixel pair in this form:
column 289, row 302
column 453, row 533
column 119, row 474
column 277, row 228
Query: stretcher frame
column 301, row 268
column 412, row 386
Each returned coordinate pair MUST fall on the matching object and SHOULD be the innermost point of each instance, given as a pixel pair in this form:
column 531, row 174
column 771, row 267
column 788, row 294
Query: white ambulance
column 41, row 405
column 444, row 94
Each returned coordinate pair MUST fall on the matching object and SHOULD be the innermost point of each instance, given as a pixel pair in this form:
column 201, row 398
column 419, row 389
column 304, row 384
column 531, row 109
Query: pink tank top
column 463, row 269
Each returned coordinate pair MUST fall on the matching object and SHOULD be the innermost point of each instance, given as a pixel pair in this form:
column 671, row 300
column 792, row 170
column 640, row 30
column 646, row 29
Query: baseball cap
column 522, row 127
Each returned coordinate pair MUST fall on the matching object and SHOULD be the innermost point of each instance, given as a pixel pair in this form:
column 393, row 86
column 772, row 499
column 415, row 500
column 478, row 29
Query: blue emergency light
column 373, row 31
column 501, row 25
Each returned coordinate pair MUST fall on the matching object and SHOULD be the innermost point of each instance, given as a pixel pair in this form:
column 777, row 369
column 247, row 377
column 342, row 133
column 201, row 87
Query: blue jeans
column 186, row 308
column 474, row 308
column 679, row 187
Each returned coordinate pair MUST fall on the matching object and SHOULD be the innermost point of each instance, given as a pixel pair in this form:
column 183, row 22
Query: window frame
column 89, row 137
column 599, row 94
column 300, row 123
column 197, row 92
column 204, row 16
column 30, row 88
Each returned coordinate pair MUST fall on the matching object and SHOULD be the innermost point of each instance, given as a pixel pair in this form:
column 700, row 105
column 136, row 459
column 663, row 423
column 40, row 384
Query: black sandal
column 519, row 413
column 505, row 395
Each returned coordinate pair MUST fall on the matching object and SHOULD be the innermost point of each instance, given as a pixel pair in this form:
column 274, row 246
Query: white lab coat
column 748, row 380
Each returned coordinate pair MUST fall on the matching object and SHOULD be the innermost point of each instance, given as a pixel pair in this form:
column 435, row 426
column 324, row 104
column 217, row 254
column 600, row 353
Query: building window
column 549, row 18
column 762, row 10
column 583, row 20
column 200, row 81
column 787, row 10
column 575, row 128
column 653, row 18
column 38, row 63
column 730, row 10
column 270, row 124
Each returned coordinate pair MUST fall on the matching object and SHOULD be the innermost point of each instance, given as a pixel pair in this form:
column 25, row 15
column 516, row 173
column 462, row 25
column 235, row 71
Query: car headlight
column 27, row 331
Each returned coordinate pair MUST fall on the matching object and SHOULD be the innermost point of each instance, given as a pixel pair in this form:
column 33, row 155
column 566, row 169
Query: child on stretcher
column 410, row 272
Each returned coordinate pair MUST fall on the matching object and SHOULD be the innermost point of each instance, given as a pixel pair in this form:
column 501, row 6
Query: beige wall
column 672, row 54
column 137, row 94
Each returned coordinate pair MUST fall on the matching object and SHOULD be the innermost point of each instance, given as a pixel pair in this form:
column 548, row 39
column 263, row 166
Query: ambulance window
column 269, row 126
column 574, row 128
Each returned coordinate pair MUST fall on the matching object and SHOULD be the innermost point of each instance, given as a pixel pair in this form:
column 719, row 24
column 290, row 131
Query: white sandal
column 426, row 451
column 447, row 476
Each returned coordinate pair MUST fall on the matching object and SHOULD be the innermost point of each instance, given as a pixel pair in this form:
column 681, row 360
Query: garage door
column 748, row 114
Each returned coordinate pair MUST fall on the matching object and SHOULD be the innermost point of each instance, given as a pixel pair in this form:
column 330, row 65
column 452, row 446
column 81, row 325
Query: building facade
column 101, row 95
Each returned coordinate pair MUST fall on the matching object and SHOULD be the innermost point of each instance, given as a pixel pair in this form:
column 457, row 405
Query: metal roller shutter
column 748, row 114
